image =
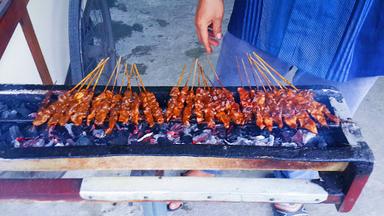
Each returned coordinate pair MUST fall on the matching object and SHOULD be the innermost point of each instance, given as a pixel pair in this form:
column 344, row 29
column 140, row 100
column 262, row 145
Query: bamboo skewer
column 188, row 77
column 258, row 75
column 206, row 78
column 90, row 74
column 129, row 76
column 276, row 72
column 89, row 78
column 98, row 77
column 93, row 78
column 246, row 74
column 135, row 75
column 96, row 74
column 113, row 72
column 194, row 73
column 264, row 74
column 116, row 75
column 214, row 72
column 181, row 75
column 123, row 77
column 139, row 77
column 261, row 65
column 238, row 71
column 253, row 74
column 205, row 82
column 265, row 77
column 198, row 78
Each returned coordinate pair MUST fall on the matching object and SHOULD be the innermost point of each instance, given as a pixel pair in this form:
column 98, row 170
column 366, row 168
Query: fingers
column 216, row 27
column 202, row 33
column 213, row 42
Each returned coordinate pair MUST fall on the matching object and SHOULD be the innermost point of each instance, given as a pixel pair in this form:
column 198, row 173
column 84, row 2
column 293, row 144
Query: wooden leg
column 355, row 178
column 18, row 13
column 35, row 49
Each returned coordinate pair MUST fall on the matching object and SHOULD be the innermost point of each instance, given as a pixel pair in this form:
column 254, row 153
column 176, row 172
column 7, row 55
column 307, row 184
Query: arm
column 209, row 13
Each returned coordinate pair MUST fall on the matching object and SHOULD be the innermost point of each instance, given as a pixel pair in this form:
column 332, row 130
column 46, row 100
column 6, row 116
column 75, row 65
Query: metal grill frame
column 344, row 169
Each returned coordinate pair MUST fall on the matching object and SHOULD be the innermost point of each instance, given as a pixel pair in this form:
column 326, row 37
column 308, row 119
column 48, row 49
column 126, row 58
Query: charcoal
column 70, row 142
column 36, row 142
column 83, row 141
column 78, row 130
column 131, row 128
column 231, row 139
column 14, row 132
column 133, row 142
column 119, row 139
column 264, row 141
column 39, row 143
column 286, row 135
column 31, row 131
column 59, row 145
column 221, row 132
column 9, row 114
column 3, row 107
column 164, row 141
column 298, row 138
column 68, row 127
column 278, row 141
column 252, row 131
column 156, row 129
column 98, row 133
column 50, row 143
column 316, row 141
column 307, row 136
column 23, row 111
column 289, row 144
column 186, row 139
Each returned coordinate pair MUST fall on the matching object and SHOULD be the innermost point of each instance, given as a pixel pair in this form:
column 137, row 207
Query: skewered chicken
column 125, row 107
column 79, row 111
column 188, row 107
column 172, row 102
column 211, row 105
column 147, row 109
column 114, row 112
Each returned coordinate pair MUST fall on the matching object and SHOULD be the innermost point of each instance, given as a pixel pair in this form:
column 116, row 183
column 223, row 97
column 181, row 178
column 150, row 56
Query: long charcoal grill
column 338, row 152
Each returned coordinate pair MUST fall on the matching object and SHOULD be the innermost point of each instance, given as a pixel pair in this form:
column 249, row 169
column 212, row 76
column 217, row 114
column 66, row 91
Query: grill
column 170, row 146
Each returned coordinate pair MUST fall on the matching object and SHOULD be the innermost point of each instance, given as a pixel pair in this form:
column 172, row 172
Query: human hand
column 208, row 21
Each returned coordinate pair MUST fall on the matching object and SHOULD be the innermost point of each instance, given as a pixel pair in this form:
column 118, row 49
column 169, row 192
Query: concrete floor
column 159, row 35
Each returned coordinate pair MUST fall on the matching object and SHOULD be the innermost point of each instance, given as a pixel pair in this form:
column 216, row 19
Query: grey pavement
column 159, row 35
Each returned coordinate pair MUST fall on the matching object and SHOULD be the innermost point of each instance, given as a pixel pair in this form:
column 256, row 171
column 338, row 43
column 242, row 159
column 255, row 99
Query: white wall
column 50, row 21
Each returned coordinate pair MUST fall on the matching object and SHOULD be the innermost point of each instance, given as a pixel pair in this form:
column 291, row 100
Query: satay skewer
column 257, row 75
column 203, row 76
column 214, row 72
column 114, row 106
column 190, row 99
column 246, row 74
column 265, row 77
column 238, row 71
column 98, row 76
column 139, row 77
column 115, row 69
column 276, row 72
column 151, row 109
column 90, row 74
column 116, row 75
column 123, row 78
column 265, row 69
column 70, row 102
column 174, row 94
